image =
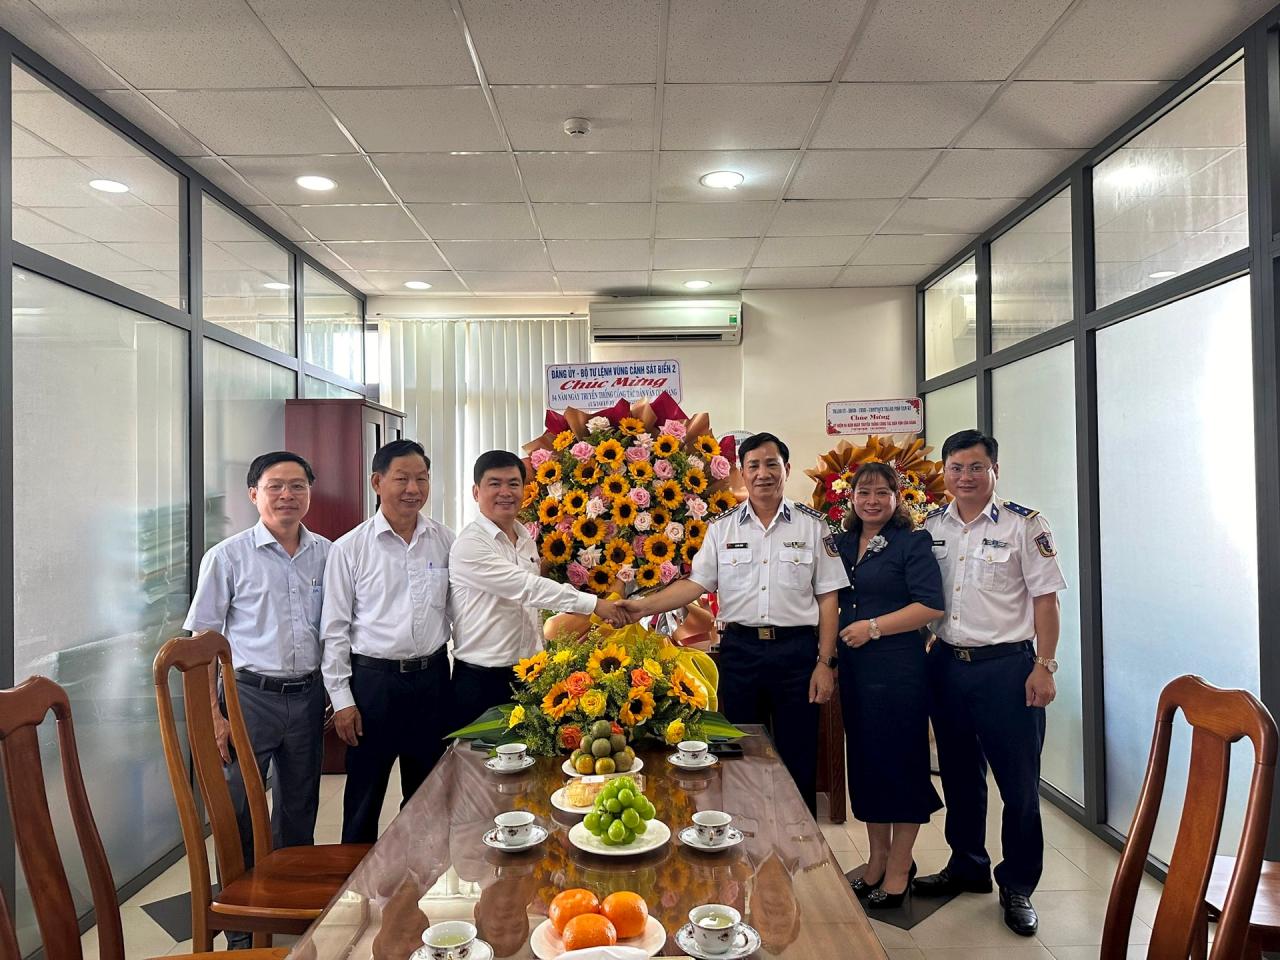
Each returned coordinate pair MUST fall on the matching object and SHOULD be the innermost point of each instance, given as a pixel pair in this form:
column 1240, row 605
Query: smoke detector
column 577, row 126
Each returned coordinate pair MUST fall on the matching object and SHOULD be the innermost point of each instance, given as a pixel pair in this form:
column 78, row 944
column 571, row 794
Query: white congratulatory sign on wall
column 598, row 385
column 905, row 415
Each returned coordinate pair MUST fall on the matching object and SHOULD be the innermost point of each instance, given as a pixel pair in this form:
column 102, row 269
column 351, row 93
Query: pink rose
column 582, row 451
column 565, row 526
column 637, row 454
column 696, row 506
column 577, row 574
column 626, row 574
column 637, row 546
column 610, row 529
column 539, row 457
column 696, row 463
column 534, row 528
column 719, row 467
column 668, row 572
column 663, row 470
column 675, row 428
column 674, row 532
column 639, row 496
column 643, row 521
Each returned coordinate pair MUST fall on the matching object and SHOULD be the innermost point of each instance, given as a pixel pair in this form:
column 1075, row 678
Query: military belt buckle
column 962, row 654
column 764, row 633
column 411, row 666
column 288, row 686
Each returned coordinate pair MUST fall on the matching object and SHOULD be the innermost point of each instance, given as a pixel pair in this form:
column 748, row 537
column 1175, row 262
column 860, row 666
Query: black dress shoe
column 1019, row 914
column 864, row 889
column 880, row 899
column 943, row 884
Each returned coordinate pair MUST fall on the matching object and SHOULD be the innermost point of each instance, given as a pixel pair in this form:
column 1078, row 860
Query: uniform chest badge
column 795, row 544
column 1044, row 543
column 736, row 546
column 993, row 543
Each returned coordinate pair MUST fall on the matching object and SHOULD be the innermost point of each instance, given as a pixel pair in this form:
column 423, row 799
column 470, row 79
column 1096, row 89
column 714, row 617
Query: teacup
column 514, row 827
column 511, row 755
column 692, row 751
column 451, row 940
column 715, row 927
column 712, row 826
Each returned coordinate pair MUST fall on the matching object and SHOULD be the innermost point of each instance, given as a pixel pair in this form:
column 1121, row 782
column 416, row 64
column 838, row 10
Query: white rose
column 597, row 424
column 643, row 521
column 556, row 490
column 595, row 507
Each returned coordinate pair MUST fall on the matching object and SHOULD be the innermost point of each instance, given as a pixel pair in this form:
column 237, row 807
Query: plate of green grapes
column 622, row 822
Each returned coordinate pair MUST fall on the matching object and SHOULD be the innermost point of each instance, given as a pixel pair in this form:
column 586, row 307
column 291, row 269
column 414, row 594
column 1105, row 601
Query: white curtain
column 467, row 386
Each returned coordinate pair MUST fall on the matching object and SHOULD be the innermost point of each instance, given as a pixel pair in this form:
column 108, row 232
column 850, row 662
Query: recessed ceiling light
column 697, row 284
column 315, row 183
column 109, row 186
column 276, row 285
column 1163, row 274
column 417, row 285
column 721, row 179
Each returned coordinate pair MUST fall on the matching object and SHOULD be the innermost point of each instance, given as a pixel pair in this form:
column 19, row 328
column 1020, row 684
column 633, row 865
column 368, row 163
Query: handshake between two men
column 680, row 593
column 618, row 613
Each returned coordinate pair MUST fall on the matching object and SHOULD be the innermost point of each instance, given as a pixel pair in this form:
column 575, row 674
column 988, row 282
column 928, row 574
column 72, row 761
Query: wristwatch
column 831, row 662
column 873, row 629
column 1051, row 665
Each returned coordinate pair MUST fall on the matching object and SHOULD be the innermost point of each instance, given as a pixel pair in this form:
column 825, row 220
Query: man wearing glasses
column 991, row 676
column 263, row 590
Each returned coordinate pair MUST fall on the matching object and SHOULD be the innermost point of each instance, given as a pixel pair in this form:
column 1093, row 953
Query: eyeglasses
column 296, row 487
column 974, row 469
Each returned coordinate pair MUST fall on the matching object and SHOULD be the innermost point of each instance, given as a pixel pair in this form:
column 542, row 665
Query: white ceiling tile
column 593, row 221
column 23, row 144
column 588, row 255
column 560, row 41
column 947, row 215
column 743, row 219
column 250, row 122
column 68, row 127
column 829, row 218
column 31, row 25
column 738, row 116
column 725, row 41
column 390, row 255
column 164, row 256
column 151, row 119
column 900, row 114
column 621, row 116
column 625, row 283
column 61, row 183
column 148, row 180
column 157, row 43
column 222, row 176
column 275, row 178
column 950, row 39
column 710, row 254
column 370, row 222
column 580, row 177
column 672, row 281
column 1058, row 114
column 994, row 173
column 859, row 174
column 393, row 281
column 893, row 249
column 475, row 221
column 898, row 275
column 96, row 257
column 500, row 255
column 807, row 251
column 33, row 229
column 505, row 282
column 765, row 172
column 359, row 281
column 219, row 224
column 394, row 42
column 109, row 223
column 417, row 119
column 766, row 278
column 329, row 255
column 450, row 178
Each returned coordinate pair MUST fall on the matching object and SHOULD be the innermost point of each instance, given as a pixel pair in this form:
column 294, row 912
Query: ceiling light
column 109, row 186
column 315, row 183
column 1163, row 274
column 697, row 284
column 721, row 179
column 417, row 285
column 276, row 285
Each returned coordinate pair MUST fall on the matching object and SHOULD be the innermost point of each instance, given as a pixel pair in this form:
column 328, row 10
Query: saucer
column 525, row 764
column 708, row 760
column 689, row 837
column 747, row 943
column 480, row 951
column 546, row 944
column 537, row 834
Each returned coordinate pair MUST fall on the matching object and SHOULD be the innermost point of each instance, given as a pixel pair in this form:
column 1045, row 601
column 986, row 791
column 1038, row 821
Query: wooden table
column 431, row 864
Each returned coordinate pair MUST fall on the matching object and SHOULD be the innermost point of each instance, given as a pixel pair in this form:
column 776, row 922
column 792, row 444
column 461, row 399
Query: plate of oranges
column 578, row 919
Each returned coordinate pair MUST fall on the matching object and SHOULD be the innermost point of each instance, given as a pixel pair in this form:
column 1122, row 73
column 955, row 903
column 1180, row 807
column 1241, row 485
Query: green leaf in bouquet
column 490, row 725
column 716, row 727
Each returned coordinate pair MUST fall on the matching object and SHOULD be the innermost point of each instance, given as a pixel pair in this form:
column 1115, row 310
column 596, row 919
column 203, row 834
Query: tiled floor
column 1071, row 899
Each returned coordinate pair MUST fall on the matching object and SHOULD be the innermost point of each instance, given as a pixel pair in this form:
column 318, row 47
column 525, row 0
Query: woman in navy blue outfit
column 896, row 588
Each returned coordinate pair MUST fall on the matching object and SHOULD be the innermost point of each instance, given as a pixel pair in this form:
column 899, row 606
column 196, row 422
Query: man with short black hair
column 498, row 589
column 262, row 589
column 385, row 629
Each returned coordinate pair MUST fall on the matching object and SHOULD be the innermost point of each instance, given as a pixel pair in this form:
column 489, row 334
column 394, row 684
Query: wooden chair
column 286, row 889
column 1218, row 718
column 1264, row 920
column 22, row 710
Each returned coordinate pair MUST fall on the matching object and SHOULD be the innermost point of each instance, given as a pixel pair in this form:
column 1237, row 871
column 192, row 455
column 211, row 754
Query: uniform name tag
column 993, row 543
column 736, row 546
column 795, row 544
column 939, row 543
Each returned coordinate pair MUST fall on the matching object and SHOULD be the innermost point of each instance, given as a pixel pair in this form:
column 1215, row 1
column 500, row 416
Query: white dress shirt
column 497, row 591
column 383, row 598
column 769, row 577
column 265, row 602
column 992, row 567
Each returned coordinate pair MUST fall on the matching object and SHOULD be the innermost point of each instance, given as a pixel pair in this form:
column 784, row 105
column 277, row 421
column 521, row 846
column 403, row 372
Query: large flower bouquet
column 620, row 500
column 919, row 478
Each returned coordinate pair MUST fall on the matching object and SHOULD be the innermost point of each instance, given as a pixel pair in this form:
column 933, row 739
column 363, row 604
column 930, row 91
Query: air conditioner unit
column 651, row 320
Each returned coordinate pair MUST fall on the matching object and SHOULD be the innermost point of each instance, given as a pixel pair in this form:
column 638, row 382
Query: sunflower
column 589, row 530
column 556, row 547
column 660, row 517
column 575, row 501
column 706, row 447
column 688, row 550
column 637, row 709
column 648, row 576
column 615, row 485
column 911, row 496
column 641, row 471
column 687, row 688
column 631, row 426
column 608, row 659
column 695, row 481
column 598, row 579
column 558, row 701
column 530, row 495
column 665, row 446
column 528, row 669
column 721, row 501
column 550, row 511
column 587, row 473
column 618, row 551
column 549, row 473
column 564, row 440
column 658, row 549
column 610, row 452
column 624, row 512
column 695, row 530
column 669, row 494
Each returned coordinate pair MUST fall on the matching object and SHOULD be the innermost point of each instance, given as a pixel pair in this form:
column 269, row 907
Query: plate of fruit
column 621, row 822
column 603, row 752
column 578, row 919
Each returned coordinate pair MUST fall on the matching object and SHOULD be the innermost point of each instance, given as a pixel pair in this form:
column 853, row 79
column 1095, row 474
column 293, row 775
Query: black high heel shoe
column 881, row 899
column 862, row 888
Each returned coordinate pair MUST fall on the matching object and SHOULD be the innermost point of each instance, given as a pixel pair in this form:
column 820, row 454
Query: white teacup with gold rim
column 715, row 927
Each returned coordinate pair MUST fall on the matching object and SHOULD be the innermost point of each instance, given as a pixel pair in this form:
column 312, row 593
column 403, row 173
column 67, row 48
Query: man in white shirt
column 262, row 589
column 497, row 589
column 385, row 628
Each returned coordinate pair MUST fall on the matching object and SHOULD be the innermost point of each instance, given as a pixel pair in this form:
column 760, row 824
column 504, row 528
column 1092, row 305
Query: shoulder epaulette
column 728, row 513
column 1020, row 510
column 805, row 508
column 936, row 512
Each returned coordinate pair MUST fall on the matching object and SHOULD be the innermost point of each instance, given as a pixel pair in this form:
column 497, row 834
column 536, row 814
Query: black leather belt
column 974, row 654
column 412, row 665
column 276, row 684
column 770, row 633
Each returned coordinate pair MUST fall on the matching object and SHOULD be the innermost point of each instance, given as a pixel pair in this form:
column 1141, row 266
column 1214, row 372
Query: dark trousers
column 476, row 689
column 404, row 717
column 767, row 681
column 980, row 716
